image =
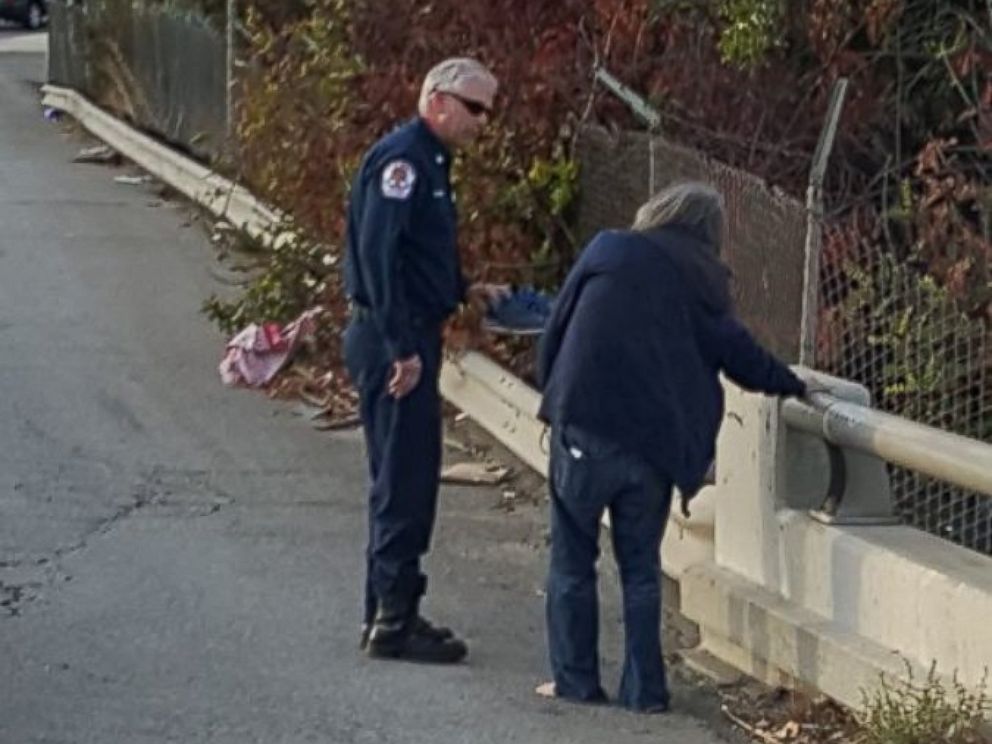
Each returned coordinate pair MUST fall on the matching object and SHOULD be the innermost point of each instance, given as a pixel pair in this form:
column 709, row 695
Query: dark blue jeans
column 403, row 440
column 589, row 476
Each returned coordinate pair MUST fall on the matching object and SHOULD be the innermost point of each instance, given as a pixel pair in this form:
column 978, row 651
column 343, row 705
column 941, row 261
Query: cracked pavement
column 182, row 563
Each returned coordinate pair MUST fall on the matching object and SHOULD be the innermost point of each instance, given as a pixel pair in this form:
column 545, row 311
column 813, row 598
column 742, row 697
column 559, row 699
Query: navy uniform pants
column 590, row 475
column 403, row 440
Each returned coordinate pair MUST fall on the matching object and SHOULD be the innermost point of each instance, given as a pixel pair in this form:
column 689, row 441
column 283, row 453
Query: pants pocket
column 582, row 444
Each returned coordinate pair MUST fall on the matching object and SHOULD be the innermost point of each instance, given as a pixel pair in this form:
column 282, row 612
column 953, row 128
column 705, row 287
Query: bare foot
column 546, row 690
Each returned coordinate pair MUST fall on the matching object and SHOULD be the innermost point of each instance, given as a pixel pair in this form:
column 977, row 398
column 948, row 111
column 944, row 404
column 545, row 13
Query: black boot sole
column 443, row 653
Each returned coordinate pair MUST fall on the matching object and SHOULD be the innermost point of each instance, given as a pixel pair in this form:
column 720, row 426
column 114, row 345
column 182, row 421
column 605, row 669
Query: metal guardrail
column 932, row 452
column 224, row 198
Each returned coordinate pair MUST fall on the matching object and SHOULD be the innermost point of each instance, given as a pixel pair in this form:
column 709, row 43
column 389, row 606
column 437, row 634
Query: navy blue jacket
column 633, row 350
column 402, row 260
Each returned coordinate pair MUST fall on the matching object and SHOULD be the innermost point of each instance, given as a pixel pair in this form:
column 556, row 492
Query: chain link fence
column 68, row 50
column 765, row 229
column 162, row 69
column 886, row 324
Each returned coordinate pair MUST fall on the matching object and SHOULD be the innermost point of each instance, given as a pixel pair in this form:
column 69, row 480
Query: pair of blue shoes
column 522, row 312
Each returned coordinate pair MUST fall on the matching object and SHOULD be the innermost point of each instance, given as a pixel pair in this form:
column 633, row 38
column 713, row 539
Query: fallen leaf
column 789, row 731
column 474, row 474
column 99, row 154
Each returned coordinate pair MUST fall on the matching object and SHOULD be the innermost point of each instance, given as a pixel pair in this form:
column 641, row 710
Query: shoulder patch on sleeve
column 398, row 178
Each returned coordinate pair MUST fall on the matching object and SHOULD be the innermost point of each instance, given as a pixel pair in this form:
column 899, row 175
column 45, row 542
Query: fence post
column 814, row 225
column 232, row 21
column 642, row 109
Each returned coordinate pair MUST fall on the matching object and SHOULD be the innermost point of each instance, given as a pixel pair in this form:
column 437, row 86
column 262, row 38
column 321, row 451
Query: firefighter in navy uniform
column 403, row 277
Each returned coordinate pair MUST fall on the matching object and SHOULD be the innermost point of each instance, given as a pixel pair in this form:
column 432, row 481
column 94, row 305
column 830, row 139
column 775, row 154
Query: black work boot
column 426, row 627
column 400, row 633
column 423, row 625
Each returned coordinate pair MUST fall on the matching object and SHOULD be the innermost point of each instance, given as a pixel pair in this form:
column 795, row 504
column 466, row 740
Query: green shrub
column 929, row 711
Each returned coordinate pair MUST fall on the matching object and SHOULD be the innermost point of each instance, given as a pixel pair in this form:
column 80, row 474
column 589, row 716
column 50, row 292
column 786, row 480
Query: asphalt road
column 180, row 562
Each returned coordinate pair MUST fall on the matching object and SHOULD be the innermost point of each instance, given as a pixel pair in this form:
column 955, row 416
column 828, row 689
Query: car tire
column 35, row 17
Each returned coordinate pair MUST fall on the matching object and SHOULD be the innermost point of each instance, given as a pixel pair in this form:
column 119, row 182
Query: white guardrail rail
column 939, row 454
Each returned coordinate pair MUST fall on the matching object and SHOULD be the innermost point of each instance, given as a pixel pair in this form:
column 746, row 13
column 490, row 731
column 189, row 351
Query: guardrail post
column 747, row 496
column 837, row 485
column 771, row 456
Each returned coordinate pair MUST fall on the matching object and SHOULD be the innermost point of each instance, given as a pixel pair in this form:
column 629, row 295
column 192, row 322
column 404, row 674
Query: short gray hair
column 697, row 206
column 450, row 76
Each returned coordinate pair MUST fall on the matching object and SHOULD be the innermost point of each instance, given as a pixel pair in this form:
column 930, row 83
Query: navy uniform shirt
column 402, row 260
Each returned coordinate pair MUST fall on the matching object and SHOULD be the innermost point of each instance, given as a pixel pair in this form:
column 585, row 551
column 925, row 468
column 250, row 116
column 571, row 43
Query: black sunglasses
column 475, row 108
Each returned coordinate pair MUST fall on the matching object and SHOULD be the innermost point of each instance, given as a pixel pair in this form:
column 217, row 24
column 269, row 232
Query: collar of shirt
column 436, row 149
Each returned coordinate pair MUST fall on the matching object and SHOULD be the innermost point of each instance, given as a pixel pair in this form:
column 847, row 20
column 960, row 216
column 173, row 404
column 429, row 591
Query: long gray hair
column 689, row 204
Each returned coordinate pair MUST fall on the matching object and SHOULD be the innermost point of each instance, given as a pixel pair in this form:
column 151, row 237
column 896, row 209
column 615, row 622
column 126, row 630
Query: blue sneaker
column 523, row 312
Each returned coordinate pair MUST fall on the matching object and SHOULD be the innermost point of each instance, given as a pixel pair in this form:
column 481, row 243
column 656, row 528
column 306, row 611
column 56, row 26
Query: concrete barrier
column 789, row 598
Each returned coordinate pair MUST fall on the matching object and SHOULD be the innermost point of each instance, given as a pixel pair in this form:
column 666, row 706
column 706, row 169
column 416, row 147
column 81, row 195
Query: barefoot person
column 629, row 365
